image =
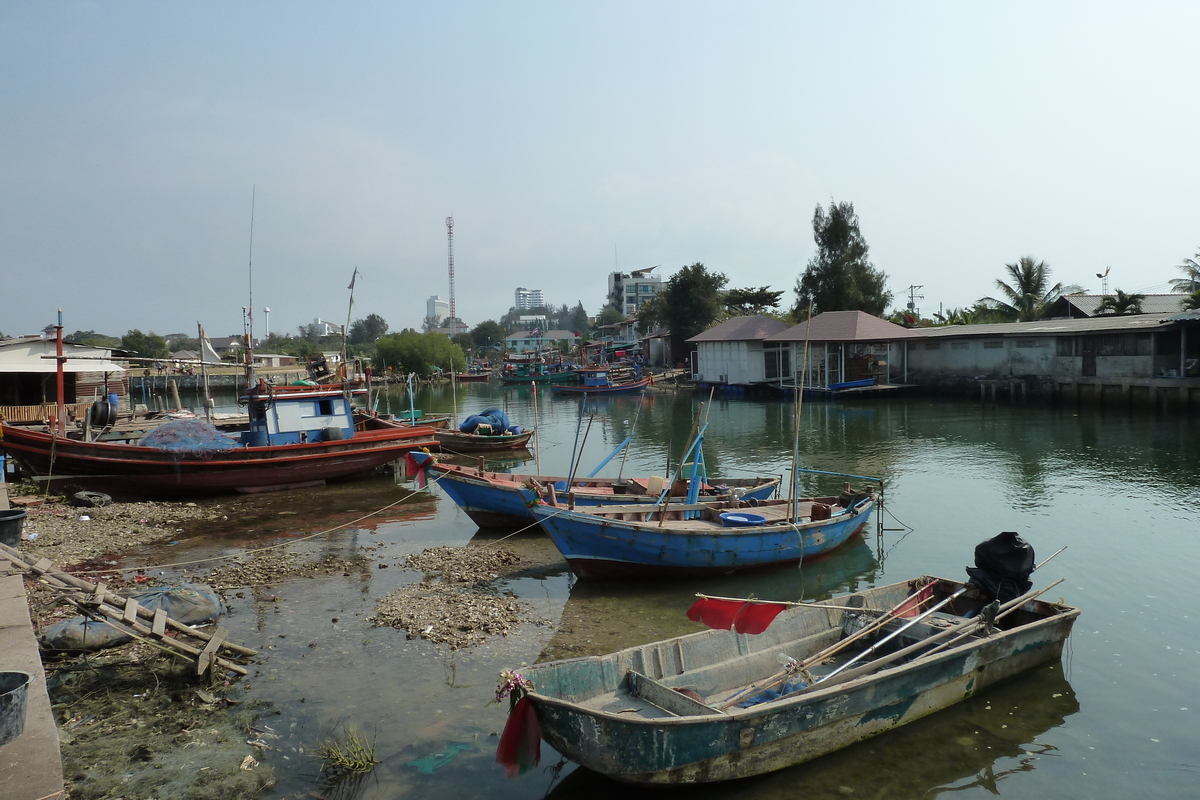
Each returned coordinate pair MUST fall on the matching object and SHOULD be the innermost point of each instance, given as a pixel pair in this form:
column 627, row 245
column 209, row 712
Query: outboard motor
column 1002, row 567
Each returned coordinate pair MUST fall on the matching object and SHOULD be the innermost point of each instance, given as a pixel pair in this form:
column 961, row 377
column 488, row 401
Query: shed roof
column 1107, row 323
column 1085, row 305
column 741, row 329
column 26, row 354
column 843, row 326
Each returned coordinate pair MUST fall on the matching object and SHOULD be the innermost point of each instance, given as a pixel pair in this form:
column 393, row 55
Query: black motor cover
column 1002, row 566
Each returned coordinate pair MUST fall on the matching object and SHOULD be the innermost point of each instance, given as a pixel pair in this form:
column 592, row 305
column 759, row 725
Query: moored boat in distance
column 720, row 705
column 598, row 380
column 503, row 500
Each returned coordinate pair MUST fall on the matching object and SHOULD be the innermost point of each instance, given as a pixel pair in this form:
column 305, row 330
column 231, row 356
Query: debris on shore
column 462, row 608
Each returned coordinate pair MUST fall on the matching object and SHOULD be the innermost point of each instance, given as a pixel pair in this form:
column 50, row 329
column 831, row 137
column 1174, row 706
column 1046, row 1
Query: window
column 933, row 345
column 960, row 345
column 1065, row 346
column 993, row 344
column 325, row 408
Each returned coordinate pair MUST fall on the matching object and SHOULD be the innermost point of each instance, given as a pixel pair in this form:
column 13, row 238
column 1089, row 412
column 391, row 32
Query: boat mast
column 349, row 311
column 248, row 313
column 797, row 404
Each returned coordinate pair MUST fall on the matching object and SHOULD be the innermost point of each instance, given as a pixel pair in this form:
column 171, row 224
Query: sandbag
column 1002, row 566
column 188, row 603
column 81, row 633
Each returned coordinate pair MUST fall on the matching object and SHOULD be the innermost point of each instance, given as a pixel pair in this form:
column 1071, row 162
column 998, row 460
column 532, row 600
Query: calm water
column 1116, row 719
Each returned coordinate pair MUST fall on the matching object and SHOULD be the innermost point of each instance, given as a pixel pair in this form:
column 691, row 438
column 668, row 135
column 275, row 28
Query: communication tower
column 450, row 246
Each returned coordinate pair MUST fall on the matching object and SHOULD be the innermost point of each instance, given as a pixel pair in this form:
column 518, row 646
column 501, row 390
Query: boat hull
column 458, row 442
column 599, row 548
column 620, row 388
column 710, row 745
column 501, row 500
column 134, row 471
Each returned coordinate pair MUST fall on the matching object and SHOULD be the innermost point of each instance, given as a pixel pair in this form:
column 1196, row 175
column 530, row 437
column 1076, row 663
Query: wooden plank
column 131, row 611
column 208, row 656
column 43, row 565
column 667, row 698
column 98, row 597
column 159, row 628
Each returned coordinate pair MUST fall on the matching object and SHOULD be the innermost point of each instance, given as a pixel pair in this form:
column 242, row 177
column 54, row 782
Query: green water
column 1115, row 719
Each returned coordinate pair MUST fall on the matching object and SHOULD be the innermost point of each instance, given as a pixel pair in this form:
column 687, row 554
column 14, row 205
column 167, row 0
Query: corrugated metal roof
column 843, row 326
column 28, row 354
column 1108, row 323
column 1089, row 303
column 741, row 329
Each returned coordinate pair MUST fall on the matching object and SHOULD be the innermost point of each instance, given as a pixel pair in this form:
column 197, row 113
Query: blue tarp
column 493, row 417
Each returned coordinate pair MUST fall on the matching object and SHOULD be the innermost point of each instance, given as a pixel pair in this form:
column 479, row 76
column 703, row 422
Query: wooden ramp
column 208, row 650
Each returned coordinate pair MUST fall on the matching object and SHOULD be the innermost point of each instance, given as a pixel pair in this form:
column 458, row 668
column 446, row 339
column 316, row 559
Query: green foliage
column 145, row 345
column 1121, row 303
column 690, row 303
column 1029, row 294
column 486, row 334
column 366, row 331
column 464, row 340
column 578, row 320
column 609, row 316
column 744, row 302
column 650, row 315
column 1192, row 303
column 1190, row 282
column 93, row 339
column 840, row 277
column 349, row 752
column 422, row 353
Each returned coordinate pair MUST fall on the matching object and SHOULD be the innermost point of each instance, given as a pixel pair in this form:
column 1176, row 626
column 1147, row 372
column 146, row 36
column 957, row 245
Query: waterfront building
column 538, row 340
column 627, row 291
column 437, row 310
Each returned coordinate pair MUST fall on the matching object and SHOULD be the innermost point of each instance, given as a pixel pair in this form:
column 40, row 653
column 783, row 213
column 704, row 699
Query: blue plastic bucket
column 741, row 519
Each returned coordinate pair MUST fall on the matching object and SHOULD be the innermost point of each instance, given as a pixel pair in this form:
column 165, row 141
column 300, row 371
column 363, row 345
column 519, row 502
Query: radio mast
column 450, row 247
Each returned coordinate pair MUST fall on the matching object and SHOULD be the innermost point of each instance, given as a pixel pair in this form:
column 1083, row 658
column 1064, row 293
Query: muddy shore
column 133, row 722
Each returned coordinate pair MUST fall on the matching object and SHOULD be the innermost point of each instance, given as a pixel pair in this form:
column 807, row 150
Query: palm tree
column 1190, row 283
column 1192, row 303
column 1027, row 297
column 1121, row 304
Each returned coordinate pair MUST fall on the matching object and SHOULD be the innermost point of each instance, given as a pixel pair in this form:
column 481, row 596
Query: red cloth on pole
column 740, row 615
column 912, row 606
column 521, row 741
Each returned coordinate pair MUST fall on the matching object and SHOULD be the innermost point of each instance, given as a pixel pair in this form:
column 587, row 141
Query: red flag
column 415, row 469
column 521, row 741
column 741, row 615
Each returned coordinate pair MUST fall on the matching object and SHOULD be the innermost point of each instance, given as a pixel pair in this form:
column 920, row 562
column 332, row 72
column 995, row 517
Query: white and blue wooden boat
column 597, row 381
column 503, row 499
column 701, row 538
column 670, row 712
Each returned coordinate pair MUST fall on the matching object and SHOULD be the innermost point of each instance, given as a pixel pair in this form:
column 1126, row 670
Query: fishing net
column 188, row 436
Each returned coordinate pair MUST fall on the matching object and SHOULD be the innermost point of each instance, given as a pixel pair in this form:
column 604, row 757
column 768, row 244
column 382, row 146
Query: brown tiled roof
column 843, row 326
column 1124, row 323
column 741, row 329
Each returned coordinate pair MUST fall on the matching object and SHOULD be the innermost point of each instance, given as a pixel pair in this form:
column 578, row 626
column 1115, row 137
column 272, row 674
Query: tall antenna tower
column 450, row 247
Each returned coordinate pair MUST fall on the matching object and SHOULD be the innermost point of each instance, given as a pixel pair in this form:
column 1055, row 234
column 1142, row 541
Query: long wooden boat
column 297, row 436
column 598, row 380
column 711, row 538
column 458, row 442
column 472, row 377
column 667, row 712
column 503, row 499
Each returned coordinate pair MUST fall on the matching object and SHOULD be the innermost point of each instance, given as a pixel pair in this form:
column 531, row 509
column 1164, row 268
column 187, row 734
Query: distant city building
column 530, row 321
column 628, row 290
column 527, row 299
column 437, row 309
column 323, row 329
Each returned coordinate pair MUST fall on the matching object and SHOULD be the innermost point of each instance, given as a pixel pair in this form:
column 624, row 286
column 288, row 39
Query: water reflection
column 985, row 742
column 603, row 616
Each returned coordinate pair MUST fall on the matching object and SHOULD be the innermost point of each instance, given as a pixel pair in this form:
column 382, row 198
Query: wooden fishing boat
column 503, row 499
column 702, row 538
column 597, row 381
column 472, row 377
column 297, row 436
column 459, row 442
column 527, row 372
column 715, row 705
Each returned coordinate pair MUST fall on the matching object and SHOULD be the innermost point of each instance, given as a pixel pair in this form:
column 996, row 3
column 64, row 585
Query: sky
column 164, row 164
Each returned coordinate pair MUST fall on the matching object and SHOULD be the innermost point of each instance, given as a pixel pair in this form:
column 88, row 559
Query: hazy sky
column 568, row 139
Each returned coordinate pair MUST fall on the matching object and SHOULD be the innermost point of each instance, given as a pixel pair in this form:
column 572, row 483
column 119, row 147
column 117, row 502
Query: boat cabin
column 291, row 415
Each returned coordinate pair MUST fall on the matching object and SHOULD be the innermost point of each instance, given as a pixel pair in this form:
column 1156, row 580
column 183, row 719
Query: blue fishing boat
column 503, row 499
column 702, row 538
column 597, row 381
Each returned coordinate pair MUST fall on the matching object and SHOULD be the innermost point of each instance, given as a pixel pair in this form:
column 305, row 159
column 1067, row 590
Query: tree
column 1027, row 298
column 1121, row 304
column 93, row 339
column 1192, row 302
column 1190, row 282
column 422, row 353
column 609, row 316
column 742, row 302
column 428, row 324
column 365, row 331
column 840, row 277
column 311, row 333
column 464, row 340
column 488, row 334
column 579, row 322
column 690, row 303
column 145, row 345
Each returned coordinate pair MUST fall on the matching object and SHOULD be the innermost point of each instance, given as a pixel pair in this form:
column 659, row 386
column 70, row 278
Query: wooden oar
column 965, row 629
column 817, row 658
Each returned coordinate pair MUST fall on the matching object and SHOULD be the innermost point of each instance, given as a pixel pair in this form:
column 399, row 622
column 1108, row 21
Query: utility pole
column 913, row 297
column 450, row 247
